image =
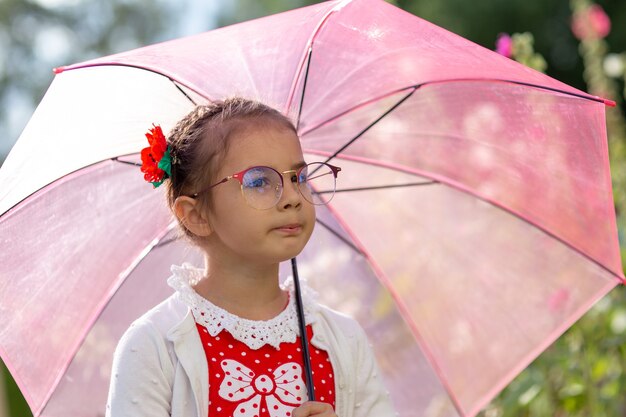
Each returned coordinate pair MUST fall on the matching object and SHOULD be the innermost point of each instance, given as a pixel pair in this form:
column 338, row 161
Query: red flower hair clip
column 156, row 159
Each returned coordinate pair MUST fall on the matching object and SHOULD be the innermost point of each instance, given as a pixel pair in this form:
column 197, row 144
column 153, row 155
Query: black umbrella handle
column 303, row 336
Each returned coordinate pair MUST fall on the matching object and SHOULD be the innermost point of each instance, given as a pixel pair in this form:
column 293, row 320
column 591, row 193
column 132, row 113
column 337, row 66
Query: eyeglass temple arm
column 214, row 185
column 335, row 169
column 332, row 167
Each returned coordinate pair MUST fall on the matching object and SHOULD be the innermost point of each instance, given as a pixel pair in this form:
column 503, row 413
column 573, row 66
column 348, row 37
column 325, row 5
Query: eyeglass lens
column 262, row 186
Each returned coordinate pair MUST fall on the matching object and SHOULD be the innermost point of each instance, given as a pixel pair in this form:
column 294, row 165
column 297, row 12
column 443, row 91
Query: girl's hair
column 200, row 140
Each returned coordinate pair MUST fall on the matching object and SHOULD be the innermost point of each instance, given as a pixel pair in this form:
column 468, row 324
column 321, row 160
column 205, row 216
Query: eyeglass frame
column 239, row 177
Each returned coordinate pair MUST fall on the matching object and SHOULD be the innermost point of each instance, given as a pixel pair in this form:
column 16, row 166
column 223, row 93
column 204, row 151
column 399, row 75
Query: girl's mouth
column 290, row 228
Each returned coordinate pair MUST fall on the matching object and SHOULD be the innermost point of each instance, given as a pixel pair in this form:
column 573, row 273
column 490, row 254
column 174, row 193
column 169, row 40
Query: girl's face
column 249, row 234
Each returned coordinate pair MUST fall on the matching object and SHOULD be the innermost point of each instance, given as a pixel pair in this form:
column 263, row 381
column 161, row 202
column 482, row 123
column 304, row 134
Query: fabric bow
column 282, row 390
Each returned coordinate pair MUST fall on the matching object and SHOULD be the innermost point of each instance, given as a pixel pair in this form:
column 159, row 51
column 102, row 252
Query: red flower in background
column 151, row 155
column 591, row 23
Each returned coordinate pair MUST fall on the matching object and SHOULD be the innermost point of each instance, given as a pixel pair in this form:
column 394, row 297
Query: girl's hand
column 314, row 409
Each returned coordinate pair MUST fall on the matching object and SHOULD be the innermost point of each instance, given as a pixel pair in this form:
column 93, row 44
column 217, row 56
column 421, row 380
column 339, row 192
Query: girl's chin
column 289, row 253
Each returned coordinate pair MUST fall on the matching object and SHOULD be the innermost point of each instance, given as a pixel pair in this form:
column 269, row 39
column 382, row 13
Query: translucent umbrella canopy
column 474, row 198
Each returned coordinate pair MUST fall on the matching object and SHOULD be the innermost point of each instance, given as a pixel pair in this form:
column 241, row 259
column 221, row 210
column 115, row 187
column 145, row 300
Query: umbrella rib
column 569, row 93
column 306, row 77
column 182, row 91
column 342, row 238
column 379, row 187
column 136, row 164
column 322, row 22
column 362, row 104
column 368, row 127
column 166, row 242
column 415, row 86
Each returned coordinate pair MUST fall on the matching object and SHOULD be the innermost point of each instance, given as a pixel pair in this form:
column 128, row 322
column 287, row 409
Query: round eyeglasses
column 262, row 186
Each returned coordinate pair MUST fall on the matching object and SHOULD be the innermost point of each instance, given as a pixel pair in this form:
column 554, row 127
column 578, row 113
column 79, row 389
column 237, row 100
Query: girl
column 226, row 342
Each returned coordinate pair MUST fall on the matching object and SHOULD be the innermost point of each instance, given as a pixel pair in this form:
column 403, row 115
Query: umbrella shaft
column 303, row 336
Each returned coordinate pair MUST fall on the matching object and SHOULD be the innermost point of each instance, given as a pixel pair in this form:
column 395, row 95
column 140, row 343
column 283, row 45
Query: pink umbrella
column 474, row 221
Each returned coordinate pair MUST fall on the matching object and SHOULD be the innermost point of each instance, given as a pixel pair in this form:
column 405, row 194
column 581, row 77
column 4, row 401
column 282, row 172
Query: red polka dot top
column 264, row 382
column 256, row 367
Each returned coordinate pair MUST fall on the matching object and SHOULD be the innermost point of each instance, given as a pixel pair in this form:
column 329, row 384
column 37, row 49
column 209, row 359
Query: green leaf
column 166, row 163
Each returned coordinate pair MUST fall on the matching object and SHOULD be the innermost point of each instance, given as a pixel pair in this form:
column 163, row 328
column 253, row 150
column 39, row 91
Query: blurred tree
column 38, row 35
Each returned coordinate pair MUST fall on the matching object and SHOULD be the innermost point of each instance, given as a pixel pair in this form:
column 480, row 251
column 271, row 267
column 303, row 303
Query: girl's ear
column 188, row 211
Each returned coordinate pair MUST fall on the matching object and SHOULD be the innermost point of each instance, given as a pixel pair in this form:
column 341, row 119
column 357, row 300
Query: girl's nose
column 291, row 195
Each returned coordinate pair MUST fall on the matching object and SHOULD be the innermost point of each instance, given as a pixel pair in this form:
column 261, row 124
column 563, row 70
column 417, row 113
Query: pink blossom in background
column 592, row 22
column 504, row 45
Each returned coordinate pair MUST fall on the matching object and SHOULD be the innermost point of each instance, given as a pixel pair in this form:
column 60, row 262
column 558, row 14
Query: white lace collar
column 255, row 334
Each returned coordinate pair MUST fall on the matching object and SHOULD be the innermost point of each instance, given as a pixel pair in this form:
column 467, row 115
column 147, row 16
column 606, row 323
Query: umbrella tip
column 58, row 70
column 609, row 103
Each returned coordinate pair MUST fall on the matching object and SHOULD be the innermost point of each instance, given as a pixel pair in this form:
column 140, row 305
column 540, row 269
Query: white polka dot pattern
column 266, row 382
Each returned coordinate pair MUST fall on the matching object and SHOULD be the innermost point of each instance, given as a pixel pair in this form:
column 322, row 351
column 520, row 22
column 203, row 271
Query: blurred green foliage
column 15, row 404
column 584, row 372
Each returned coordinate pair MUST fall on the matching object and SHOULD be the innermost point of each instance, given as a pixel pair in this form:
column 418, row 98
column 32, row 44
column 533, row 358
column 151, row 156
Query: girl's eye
column 258, row 182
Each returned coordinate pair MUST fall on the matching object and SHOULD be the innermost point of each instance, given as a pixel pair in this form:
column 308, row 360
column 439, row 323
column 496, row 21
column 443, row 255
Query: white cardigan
column 160, row 370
